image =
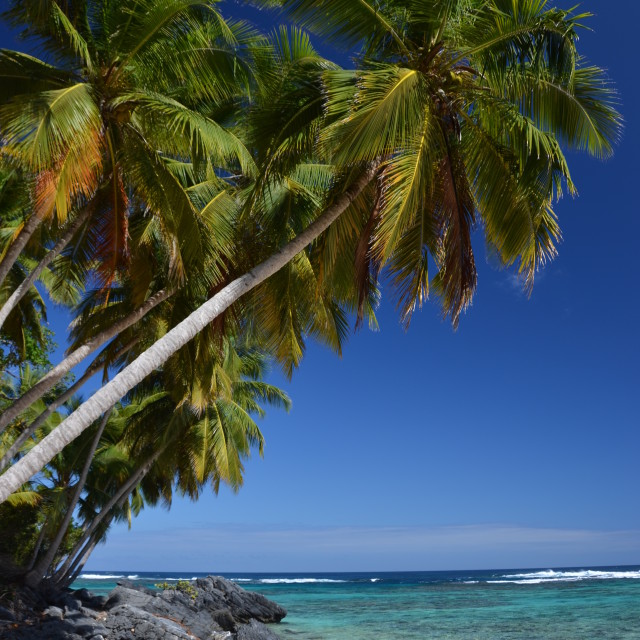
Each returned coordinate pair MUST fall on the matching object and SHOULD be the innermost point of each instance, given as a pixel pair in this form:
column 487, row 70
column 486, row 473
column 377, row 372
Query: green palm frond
column 42, row 128
column 149, row 20
column 347, row 23
column 513, row 205
column 163, row 194
column 24, row 499
column 504, row 33
column 409, row 179
column 21, row 73
column 210, row 61
column 185, row 132
column 379, row 110
column 581, row 111
column 76, row 42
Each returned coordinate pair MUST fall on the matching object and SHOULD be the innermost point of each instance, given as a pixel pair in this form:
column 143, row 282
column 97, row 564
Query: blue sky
column 512, row 442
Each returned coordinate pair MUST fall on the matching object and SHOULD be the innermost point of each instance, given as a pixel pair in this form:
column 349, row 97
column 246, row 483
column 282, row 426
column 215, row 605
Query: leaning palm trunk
column 20, row 292
column 34, row 577
column 74, row 358
column 118, row 498
column 36, row 549
column 14, row 251
column 175, row 339
column 69, row 577
column 56, row 404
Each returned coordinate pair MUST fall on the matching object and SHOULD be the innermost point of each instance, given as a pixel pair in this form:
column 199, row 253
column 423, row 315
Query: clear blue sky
column 512, row 442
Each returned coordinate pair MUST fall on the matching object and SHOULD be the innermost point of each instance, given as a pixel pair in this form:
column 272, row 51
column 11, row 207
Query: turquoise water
column 560, row 604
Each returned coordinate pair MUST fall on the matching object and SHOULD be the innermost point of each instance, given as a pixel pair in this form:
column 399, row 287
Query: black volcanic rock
column 210, row 608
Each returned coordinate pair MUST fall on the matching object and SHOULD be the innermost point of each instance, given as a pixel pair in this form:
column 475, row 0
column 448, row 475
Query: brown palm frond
column 457, row 278
column 367, row 265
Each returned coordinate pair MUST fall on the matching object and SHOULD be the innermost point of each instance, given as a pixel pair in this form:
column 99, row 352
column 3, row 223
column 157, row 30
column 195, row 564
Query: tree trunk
column 36, row 550
column 66, row 580
column 14, row 251
column 58, row 402
column 34, row 577
column 19, row 293
column 74, row 358
column 121, row 494
column 166, row 346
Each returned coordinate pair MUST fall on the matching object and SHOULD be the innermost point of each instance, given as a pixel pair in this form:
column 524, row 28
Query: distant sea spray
column 487, row 577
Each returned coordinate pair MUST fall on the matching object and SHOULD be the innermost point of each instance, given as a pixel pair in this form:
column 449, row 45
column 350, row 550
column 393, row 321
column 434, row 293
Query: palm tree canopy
column 99, row 119
column 468, row 103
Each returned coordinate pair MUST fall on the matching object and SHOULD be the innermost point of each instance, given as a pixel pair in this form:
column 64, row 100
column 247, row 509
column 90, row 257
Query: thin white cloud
column 235, row 547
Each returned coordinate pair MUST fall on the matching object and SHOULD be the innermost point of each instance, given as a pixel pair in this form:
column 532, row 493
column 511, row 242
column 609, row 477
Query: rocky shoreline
column 211, row 608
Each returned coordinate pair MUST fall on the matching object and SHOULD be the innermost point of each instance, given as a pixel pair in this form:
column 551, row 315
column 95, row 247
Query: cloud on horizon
column 237, row 548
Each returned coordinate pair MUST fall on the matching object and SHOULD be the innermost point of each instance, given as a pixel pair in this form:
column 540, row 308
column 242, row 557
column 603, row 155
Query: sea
column 583, row 603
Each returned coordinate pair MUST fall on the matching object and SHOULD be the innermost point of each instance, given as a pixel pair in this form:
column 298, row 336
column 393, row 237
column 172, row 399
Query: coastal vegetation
column 203, row 198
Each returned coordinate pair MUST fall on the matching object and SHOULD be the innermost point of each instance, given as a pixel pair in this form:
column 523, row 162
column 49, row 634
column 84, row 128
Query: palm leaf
column 23, row 74
column 379, row 111
column 43, row 127
column 347, row 23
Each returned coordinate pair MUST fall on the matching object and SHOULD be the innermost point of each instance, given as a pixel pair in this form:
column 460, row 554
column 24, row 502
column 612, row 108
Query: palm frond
column 347, row 23
column 379, row 110
column 43, row 127
column 76, row 42
column 187, row 133
column 22, row 74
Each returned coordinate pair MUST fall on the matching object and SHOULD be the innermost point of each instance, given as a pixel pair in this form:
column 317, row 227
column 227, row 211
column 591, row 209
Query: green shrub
column 182, row 585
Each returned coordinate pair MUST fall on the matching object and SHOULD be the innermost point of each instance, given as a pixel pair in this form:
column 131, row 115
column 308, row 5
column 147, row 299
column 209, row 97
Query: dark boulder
column 208, row 609
column 255, row 631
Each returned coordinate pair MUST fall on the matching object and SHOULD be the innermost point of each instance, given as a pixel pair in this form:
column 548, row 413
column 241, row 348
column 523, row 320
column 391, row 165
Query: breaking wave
column 539, row 577
column 296, row 580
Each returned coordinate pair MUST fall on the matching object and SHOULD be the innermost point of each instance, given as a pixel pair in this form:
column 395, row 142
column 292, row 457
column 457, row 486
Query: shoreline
column 213, row 608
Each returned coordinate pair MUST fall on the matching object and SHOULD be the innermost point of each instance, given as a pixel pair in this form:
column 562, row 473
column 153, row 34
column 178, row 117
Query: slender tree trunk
column 14, row 251
column 121, row 494
column 19, row 293
column 56, row 404
column 36, row 550
column 74, row 358
column 35, row 576
column 166, row 346
column 66, row 580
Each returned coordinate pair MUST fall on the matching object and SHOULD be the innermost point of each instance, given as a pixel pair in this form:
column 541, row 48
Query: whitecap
column 539, row 577
column 296, row 580
column 536, row 574
column 98, row 576
column 133, row 577
column 180, row 579
column 374, row 579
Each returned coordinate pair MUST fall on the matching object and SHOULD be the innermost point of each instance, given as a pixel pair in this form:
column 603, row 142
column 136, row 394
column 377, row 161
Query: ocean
column 523, row 604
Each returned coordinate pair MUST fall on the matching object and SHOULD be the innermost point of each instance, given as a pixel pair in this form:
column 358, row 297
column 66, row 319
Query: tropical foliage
column 204, row 199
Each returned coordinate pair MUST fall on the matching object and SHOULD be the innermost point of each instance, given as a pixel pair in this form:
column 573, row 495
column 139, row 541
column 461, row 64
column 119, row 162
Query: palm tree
column 99, row 128
column 96, row 129
column 456, row 114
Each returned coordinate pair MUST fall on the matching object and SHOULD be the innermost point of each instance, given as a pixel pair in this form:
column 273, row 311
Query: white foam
column 470, row 582
column 296, row 580
column 133, row 577
column 180, row 579
column 98, row 576
column 374, row 579
column 241, row 580
column 539, row 577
